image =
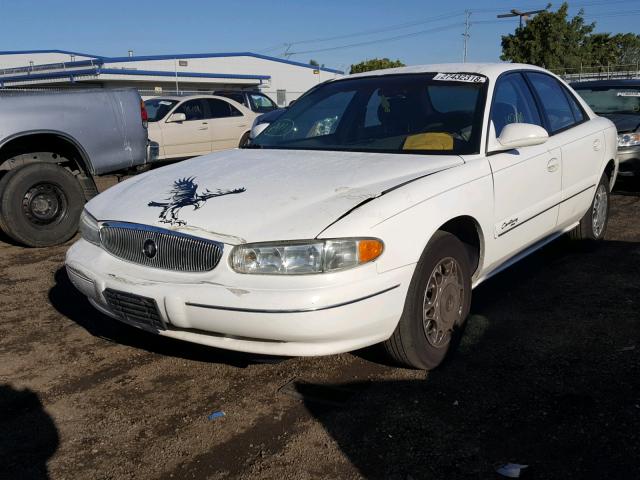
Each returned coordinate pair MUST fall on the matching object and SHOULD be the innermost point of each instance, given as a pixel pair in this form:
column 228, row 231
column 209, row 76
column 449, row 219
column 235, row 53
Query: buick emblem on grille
column 149, row 248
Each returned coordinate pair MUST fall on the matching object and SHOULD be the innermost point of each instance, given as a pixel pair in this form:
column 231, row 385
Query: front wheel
column 244, row 141
column 437, row 304
column 593, row 225
column 40, row 204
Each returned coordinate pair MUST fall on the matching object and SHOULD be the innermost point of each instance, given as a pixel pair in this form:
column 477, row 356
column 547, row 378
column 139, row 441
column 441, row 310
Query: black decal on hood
column 184, row 194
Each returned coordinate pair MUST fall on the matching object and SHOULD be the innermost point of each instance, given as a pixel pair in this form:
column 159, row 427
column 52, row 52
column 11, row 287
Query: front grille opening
column 171, row 250
column 134, row 308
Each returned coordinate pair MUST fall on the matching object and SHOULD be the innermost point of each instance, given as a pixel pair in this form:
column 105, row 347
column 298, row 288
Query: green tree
column 550, row 39
column 375, row 64
column 555, row 41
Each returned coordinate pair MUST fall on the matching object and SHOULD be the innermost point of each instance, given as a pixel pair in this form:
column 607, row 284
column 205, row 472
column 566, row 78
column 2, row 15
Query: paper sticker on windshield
column 460, row 77
column 164, row 102
column 629, row 94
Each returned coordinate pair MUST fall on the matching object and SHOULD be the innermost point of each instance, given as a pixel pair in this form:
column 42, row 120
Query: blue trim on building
column 117, row 71
column 64, row 52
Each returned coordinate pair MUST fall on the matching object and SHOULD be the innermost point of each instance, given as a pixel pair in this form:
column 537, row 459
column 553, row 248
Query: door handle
column 596, row 145
column 553, row 165
column 204, row 128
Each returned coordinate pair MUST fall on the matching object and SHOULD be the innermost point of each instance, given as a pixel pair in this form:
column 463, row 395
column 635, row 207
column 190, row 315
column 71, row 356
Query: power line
column 389, row 28
column 386, row 39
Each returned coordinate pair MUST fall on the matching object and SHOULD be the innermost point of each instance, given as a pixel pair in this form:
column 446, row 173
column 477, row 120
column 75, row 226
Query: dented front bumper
column 276, row 315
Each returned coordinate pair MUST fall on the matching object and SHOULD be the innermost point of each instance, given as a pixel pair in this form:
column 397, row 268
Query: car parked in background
column 182, row 127
column 56, row 149
column 619, row 101
column 254, row 100
column 365, row 213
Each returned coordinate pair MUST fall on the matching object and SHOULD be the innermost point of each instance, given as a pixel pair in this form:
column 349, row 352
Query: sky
column 336, row 33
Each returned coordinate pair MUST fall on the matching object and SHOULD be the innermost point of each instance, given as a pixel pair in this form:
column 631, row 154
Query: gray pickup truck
column 54, row 149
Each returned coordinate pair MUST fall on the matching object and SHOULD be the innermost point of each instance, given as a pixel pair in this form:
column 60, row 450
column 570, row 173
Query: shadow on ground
column 74, row 305
column 28, row 435
column 547, row 374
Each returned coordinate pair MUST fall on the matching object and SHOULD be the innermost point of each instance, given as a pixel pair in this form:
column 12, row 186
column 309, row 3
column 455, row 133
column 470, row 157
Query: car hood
column 625, row 122
column 242, row 196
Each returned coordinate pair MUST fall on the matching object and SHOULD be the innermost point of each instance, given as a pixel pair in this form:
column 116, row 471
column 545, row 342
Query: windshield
column 261, row 103
column 604, row 100
column 408, row 113
column 157, row 108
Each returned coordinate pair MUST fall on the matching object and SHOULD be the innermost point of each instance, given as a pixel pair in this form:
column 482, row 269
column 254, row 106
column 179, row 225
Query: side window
column 219, row 108
column 237, row 97
column 513, row 103
column 554, row 101
column 193, row 110
column 578, row 114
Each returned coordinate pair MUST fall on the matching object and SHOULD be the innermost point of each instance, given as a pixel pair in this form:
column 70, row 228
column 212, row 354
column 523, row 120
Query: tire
column 593, row 225
column 40, row 204
column 414, row 342
column 244, row 140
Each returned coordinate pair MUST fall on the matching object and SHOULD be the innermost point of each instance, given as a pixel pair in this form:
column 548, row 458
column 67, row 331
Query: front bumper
column 293, row 315
column 629, row 160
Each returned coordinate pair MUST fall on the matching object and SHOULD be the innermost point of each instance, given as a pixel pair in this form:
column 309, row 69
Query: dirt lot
column 548, row 375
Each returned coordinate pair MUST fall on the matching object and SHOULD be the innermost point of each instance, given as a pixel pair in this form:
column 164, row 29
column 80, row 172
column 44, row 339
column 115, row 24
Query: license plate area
column 134, row 308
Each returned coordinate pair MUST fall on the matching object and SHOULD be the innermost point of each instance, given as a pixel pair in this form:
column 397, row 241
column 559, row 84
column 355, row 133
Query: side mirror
column 517, row 135
column 176, row 117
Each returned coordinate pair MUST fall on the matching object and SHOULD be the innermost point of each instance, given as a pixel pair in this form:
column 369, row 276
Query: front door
column 527, row 180
column 191, row 137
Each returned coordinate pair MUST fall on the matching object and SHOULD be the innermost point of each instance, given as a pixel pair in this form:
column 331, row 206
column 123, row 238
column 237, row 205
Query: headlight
column 628, row 139
column 89, row 229
column 304, row 257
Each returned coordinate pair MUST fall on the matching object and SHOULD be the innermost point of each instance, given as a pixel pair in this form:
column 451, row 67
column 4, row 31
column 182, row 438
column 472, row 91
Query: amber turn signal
column 369, row 250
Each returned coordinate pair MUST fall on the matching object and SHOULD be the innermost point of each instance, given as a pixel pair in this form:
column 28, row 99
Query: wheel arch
column 72, row 154
column 610, row 171
column 468, row 230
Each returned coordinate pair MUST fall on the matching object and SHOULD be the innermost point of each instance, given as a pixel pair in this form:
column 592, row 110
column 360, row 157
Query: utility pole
column 286, row 53
column 466, row 35
column 519, row 13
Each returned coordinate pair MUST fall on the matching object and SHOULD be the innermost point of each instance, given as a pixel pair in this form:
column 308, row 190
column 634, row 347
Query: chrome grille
column 173, row 250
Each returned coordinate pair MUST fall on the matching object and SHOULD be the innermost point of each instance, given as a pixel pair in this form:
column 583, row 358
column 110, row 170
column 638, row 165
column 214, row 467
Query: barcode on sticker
column 460, row 77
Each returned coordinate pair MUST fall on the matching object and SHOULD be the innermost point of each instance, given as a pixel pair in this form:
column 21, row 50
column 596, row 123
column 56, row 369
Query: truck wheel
column 40, row 204
column 593, row 225
column 436, row 306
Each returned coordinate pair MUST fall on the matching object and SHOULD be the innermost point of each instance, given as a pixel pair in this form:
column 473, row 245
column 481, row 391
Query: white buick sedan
column 366, row 213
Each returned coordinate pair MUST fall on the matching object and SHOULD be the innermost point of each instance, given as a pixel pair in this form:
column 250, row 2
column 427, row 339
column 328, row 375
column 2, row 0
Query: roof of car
column 491, row 70
column 635, row 82
column 180, row 98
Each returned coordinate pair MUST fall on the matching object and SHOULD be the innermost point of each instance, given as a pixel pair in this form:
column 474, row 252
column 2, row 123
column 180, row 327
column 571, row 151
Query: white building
column 283, row 80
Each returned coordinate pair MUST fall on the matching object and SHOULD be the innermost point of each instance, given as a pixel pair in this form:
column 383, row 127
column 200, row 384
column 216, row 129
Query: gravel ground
column 547, row 374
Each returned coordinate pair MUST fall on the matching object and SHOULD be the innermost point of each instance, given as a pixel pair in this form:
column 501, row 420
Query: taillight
column 143, row 114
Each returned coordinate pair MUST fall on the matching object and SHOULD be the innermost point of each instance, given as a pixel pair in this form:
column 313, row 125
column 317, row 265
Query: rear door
column 191, row 137
column 527, row 180
column 580, row 140
column 227, row 124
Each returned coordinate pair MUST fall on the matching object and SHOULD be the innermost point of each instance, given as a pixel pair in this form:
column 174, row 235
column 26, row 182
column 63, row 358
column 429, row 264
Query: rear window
column 608, row 100
column 157, row 108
